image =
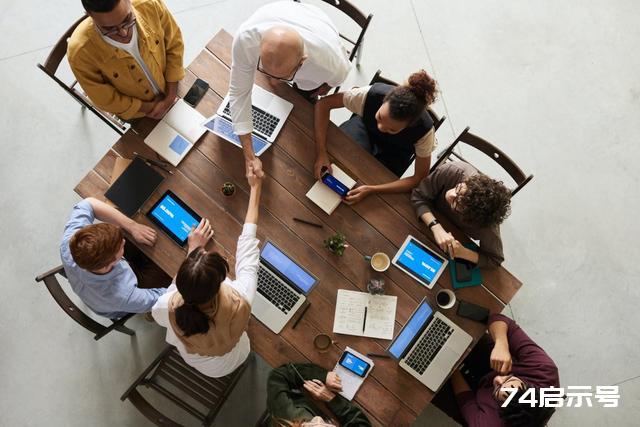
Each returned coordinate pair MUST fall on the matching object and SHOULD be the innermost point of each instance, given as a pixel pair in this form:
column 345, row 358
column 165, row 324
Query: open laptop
column 269, row 114
column 429, row 345
column 420, row 262
column 283, row 286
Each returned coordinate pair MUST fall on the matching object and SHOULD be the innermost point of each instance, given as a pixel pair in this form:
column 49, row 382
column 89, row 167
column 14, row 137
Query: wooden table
column 390, row 395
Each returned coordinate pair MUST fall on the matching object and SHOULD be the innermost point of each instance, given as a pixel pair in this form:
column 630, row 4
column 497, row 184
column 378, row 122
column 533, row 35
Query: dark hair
column 198, row 281
column 100, row 6
column 486, row 202
column 517, row 414
column 96, row 245
column 407, row 102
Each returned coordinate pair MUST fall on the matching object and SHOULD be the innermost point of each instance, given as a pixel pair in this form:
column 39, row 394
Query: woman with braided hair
column 390, row 122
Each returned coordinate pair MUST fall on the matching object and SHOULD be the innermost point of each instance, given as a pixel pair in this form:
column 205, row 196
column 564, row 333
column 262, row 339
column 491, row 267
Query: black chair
column 360, row 19
column 50, row 67
column 200, row 395
column 58, row 294
column 515, row 172
column 378, row 78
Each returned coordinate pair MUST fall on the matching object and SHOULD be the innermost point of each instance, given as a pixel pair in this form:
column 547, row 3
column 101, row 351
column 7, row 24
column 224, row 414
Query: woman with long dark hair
column 206, row 313
column 390, row 122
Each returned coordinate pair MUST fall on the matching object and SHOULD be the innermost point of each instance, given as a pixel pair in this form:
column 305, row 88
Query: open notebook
column 176, row 133
column 325, row 197
column 365, row 315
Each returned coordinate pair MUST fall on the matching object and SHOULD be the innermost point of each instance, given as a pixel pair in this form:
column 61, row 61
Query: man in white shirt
column 289, row 42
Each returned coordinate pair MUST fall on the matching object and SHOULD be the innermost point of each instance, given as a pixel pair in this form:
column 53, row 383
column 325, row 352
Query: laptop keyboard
column 429, row 345
column 263, row 122
column 279, row 294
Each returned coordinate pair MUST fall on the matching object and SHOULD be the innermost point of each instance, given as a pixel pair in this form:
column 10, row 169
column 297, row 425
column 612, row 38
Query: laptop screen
column 414, row 327
column 289, row 269
column 420, row 260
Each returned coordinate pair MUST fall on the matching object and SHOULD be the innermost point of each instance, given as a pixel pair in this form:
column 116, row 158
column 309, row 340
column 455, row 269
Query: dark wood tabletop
column 390, row 396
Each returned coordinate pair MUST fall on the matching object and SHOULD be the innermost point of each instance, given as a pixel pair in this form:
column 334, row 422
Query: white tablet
column 420, row 262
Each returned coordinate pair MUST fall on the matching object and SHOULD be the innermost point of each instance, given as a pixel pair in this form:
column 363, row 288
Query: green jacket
column 285, row 401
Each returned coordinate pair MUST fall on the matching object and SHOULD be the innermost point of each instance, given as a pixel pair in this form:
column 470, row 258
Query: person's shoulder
column 80, row 38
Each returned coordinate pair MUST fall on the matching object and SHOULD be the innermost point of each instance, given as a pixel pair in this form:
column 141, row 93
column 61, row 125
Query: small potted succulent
column 336, row 243
column 228, row 189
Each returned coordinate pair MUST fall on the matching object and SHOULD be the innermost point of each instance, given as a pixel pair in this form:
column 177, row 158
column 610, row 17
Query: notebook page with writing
column 350, row 314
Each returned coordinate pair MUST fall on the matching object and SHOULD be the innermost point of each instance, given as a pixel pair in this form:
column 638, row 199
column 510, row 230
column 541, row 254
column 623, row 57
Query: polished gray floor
column 553, row 83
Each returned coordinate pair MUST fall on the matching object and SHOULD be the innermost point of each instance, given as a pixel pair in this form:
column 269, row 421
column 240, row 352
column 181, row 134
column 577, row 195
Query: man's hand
column 333, row 381
column 500, row 359
column 254, row 167
column 318, row 390
column 200, row 236
column 357, row 194
column 252, row 177
column 322, row 161
column 443, row 238
column 143, row 234
column 161, row 108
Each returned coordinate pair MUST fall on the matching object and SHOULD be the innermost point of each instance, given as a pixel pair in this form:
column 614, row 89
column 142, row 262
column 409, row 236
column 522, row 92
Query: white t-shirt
column 132, row 49
column 246, row 283
column 327, row 60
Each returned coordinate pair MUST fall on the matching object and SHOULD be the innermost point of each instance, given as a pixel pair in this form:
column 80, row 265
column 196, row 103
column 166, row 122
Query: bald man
column 288, row 42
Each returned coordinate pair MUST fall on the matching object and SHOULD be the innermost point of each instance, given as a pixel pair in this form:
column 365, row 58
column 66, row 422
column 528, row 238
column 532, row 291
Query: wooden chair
column 359, row 18
column 50, row 67
column 58, row 294
column 466, row 137
column 169, row 374
column 378, row 78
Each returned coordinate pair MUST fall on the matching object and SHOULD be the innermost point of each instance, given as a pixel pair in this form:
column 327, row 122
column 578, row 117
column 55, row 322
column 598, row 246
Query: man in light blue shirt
column 92, row 256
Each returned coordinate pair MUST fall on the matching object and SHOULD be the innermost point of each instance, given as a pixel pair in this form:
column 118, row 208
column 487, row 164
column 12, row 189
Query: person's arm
column 347, row 413
column 491, row 253
column 174, row 47
column 162, row 107
column 280, row 383
column 500, row 359
column 141, row 300
column 140, row 233
column 398, row 186
column 321, row 115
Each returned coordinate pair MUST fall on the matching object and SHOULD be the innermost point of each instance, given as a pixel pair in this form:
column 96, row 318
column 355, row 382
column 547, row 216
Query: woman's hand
column 318, row 390
column 333, row 381
column 358, row 194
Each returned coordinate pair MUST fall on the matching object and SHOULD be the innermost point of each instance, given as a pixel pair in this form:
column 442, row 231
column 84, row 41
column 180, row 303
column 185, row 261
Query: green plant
column 336, row 243
column 228, row 189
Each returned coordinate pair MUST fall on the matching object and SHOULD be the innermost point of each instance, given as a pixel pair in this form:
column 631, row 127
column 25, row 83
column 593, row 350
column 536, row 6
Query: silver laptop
column 429, row 345
column 420, row 262
column 269, row 113
column 283, row 286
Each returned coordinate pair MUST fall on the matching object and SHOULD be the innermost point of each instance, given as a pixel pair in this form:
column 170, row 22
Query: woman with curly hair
column 474, row 202
column 390, row 122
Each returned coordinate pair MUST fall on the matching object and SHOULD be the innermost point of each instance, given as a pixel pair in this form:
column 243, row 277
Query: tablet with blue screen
column 420, row 262
column 174, row 217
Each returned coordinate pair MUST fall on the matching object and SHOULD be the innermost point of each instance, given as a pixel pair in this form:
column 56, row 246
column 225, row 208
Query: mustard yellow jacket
column 111, row 77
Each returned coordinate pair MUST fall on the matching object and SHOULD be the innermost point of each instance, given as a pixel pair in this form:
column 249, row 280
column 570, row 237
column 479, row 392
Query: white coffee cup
column 380, row 262
column 445, row 298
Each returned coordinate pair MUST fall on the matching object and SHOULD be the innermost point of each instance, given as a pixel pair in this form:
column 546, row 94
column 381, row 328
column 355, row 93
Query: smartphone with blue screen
column 333, row 183
column 354, row 364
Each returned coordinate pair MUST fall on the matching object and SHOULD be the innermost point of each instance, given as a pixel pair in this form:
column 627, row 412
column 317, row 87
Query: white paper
column 350, row 314
column 327, row 199
column 185, row 120
column 351, row 382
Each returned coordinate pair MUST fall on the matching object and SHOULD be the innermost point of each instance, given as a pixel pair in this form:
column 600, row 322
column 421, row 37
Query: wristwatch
column 432, row 223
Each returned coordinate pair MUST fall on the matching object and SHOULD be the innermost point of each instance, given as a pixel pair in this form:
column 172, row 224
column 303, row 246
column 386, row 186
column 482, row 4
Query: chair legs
column 359, row 54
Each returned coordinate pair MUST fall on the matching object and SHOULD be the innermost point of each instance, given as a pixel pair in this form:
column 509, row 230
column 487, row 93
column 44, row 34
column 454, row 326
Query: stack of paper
column 176, row 133
column 365, row 315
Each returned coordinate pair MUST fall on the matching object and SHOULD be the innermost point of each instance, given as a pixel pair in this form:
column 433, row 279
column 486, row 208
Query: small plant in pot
column 228, row 189
column 336, row 243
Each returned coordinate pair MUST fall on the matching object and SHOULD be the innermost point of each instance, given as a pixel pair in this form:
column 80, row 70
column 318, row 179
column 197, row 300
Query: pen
column 383, row 356
column 304, row 310
column 153, row 162
column 304, row 221
column 364, row 321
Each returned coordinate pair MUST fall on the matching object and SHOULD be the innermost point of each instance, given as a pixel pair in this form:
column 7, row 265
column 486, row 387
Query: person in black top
column 390, row 122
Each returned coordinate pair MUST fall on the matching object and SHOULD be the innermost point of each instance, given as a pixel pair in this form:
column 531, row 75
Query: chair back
column 72, row 310
column 170, row 376
column 378, row 78
column 505, row 162
column 50, row 68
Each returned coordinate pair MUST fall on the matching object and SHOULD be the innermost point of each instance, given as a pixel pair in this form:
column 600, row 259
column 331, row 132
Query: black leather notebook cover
column 134, row 187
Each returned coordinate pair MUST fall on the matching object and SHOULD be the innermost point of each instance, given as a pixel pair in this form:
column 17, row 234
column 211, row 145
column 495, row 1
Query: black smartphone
column 333, row 183
column 463, row 270
column 473, row 312
column 196, row 92
column 354, row 364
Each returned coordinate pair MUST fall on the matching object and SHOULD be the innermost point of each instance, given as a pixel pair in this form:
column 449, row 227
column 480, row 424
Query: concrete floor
column 554, row 83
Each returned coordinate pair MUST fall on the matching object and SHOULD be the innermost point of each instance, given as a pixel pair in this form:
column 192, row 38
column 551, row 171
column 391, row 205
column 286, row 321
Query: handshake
column 254, row 172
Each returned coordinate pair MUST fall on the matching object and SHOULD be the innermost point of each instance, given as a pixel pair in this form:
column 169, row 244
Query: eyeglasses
column 282, row 79
column 459, row 195
column 128, row 22
column 497, row 389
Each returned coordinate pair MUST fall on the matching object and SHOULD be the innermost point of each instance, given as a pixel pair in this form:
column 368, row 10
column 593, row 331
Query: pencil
column 304, row 221
column 153, row 162
column 304, row 310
